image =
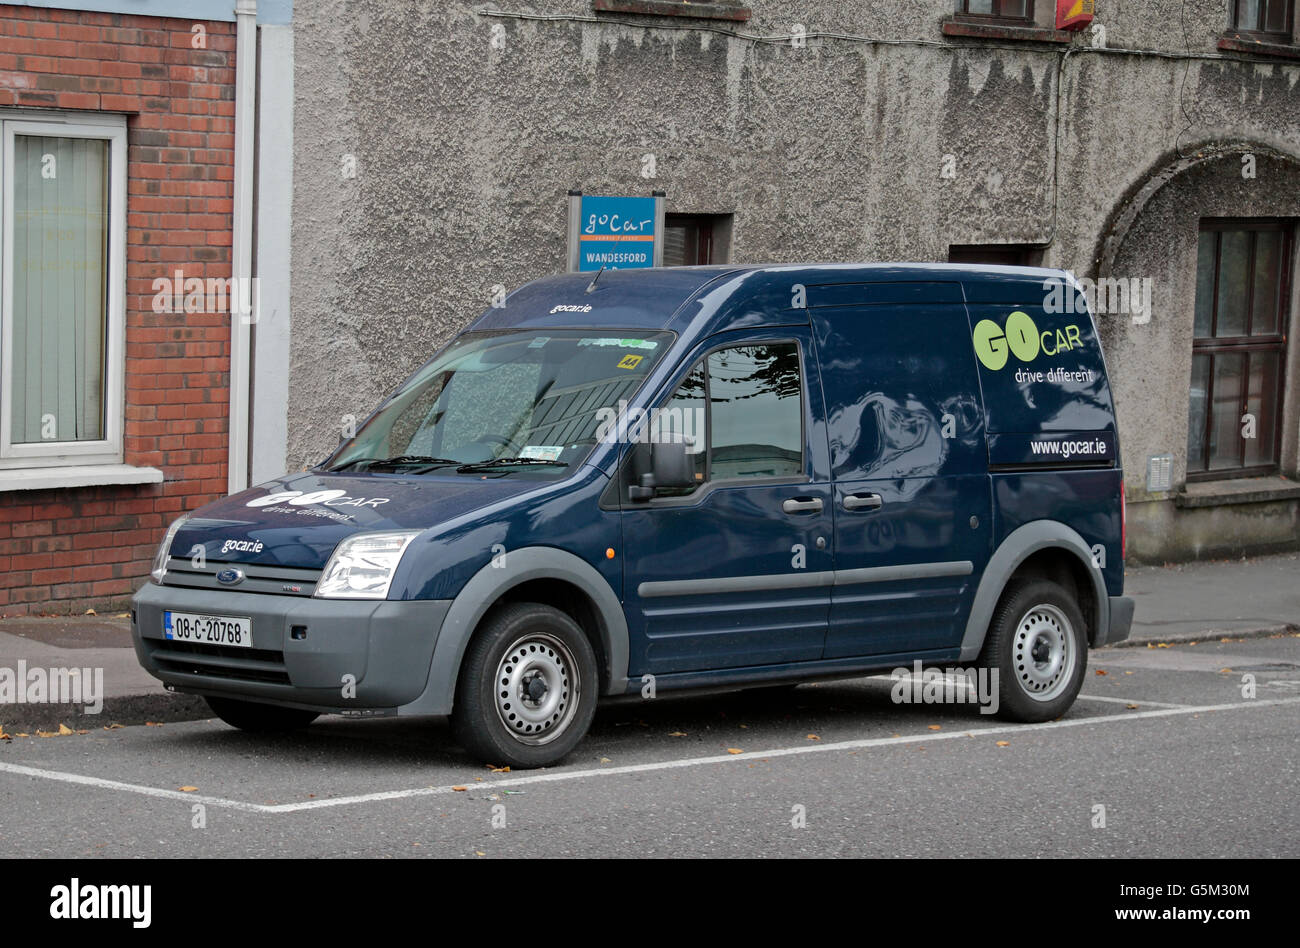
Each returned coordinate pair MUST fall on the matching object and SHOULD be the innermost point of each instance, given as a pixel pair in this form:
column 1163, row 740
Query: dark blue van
column 671, row 479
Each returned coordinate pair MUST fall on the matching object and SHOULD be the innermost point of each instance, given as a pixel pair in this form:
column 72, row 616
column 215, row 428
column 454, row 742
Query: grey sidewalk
column 1185, row 602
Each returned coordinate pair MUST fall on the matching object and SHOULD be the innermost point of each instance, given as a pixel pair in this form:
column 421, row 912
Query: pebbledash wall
column 434, row 145
column 89, row 540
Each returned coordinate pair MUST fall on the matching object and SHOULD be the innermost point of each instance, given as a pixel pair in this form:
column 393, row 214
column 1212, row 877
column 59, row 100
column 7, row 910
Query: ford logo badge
column 229, row 577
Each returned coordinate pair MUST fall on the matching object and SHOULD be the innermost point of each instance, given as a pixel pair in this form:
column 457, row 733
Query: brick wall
column 77, row 548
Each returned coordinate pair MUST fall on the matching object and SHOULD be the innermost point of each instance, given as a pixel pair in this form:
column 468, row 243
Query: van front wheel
column 527, row 688
column 1038, row 647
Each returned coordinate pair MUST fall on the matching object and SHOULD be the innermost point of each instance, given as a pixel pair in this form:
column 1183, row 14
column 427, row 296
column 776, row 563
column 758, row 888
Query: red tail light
column 1123, row 523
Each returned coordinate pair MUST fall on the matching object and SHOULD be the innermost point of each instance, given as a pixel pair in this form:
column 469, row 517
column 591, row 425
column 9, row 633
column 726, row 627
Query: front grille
column 258, row 578
column 222, row 661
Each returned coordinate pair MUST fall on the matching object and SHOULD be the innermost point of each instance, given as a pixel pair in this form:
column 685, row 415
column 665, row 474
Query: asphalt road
column 1183, row 763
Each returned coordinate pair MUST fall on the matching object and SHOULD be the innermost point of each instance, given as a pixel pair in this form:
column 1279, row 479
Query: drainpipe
column 241, row 251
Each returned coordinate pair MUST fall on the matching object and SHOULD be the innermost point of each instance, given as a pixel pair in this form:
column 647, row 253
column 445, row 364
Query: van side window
column 683, row 419
column 741, row 410
column 756, row 411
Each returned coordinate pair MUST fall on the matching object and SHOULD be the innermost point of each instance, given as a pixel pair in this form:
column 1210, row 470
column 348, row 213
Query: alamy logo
column 919, row 685
column 23, row 685
column 134, row 902
column 673, row 425
column 1106, row 296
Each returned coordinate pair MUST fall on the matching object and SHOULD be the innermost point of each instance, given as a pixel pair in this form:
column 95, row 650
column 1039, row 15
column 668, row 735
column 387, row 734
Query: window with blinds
column 61, row 290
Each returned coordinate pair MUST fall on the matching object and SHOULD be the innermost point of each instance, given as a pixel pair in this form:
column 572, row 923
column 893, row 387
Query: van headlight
column 362, row 566
column 160, row 558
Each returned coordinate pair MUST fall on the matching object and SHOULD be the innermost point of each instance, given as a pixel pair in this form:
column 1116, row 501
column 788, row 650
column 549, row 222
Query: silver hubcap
column 1043, row 652
column 537, row 688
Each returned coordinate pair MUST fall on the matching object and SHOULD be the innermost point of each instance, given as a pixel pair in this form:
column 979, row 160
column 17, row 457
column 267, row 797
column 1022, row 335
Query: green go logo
column 993, row 344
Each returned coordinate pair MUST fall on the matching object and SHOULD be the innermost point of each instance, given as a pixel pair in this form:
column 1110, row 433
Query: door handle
column 863, row 501
column 802, row 505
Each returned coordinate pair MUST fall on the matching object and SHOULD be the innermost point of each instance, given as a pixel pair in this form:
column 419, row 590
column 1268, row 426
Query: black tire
column 259, row 718
column 501, row 717
column 1034, row 619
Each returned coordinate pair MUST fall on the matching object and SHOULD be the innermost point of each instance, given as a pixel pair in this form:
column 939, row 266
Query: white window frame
column 89, row 455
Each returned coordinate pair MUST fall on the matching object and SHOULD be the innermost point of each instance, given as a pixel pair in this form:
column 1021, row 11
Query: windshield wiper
column 400, row 460
column 508, row 462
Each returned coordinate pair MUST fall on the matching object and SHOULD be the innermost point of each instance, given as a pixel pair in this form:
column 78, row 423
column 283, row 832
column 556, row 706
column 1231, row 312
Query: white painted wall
column 270, row 374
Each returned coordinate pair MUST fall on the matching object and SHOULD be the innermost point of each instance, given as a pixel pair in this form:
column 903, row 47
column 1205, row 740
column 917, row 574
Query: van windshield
column 506, row 402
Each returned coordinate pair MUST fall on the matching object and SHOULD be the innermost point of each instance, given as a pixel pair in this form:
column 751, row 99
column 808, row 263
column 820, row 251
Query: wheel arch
column 1046, row 548
column 548, row 575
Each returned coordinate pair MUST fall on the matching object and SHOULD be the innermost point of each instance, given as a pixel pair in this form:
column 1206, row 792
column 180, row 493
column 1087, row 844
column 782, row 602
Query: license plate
column 208, row 630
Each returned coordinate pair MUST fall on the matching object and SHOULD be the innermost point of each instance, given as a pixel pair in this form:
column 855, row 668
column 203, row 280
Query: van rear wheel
column 527, row 687
column 1037, row 645
column 259, row 718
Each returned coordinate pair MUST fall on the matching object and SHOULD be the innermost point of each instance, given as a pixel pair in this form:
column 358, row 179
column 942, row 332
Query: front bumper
column 331, row 655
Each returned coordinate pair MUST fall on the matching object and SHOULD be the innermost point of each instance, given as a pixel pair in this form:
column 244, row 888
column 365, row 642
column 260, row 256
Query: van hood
column 298, row 520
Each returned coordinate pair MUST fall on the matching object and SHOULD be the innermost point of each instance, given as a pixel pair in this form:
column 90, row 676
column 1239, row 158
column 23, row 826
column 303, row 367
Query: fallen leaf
column 3, row 735
column 478, row 779
column 936, row 727
column 1131, row 707
column 745, row 725
column 813, row 737
column 1004, row 743
column 1128, row 673
column 477, row 853
column 606, row 760
column 734, row 750
column 1225, row 671
column 460, row 789
column 187, row 789
column 123, row 615
column 1101, row 671
column 47, row 733
column 112, row 727
column 91, row 612
column 64, row 730
column 1163, row 645
column 82, row 731
column 499, row 770
column 152, row 724
column 677, row 734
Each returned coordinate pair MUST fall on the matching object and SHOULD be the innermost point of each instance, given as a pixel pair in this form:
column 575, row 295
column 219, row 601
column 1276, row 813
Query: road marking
column 1150, row 704
column 929, row 738
column 129, row 787
column 964, row 686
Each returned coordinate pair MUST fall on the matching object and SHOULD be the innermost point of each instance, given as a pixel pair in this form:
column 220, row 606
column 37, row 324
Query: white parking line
column 553, row 777
column 1142, row 704
column 966, row 688
column 130, row 788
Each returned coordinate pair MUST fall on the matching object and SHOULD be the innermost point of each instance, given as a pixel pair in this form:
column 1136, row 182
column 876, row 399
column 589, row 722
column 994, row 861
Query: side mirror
column 671, row 466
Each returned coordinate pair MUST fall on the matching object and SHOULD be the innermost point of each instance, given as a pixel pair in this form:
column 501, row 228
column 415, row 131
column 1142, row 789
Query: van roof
column 652, row 298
